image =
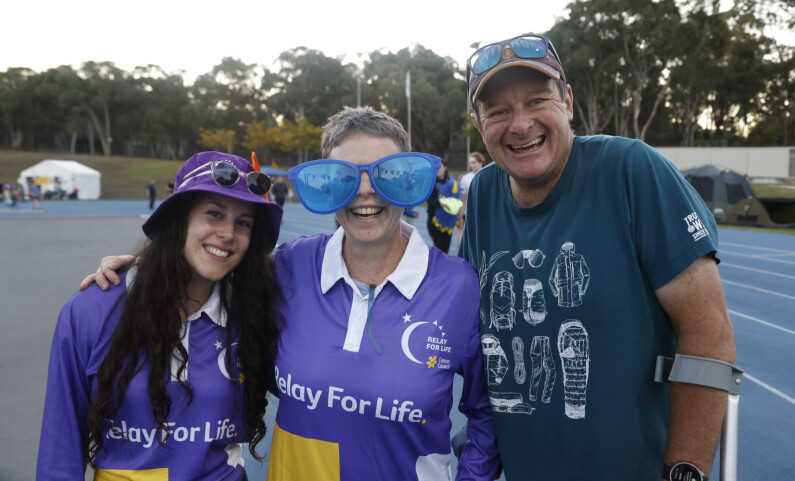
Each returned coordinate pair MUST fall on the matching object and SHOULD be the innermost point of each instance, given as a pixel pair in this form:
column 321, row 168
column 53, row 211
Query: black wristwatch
column 683, row 471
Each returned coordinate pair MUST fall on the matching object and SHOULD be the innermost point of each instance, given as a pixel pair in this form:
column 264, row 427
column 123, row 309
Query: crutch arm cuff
column 701, row 371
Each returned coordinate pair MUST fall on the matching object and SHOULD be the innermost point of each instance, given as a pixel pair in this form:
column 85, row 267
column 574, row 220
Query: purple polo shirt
column 347, row 411
column 205, row 435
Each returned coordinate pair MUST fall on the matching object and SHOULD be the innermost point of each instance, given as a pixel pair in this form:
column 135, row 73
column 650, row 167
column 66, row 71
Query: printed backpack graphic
column 516, row 286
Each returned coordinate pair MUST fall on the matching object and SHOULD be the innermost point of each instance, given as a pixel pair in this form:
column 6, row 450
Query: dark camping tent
column 768, row 212
column 720, row 189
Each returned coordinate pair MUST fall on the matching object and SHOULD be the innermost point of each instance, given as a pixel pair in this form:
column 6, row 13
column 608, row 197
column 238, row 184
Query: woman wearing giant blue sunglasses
column 405, row 179
column 376, row 324
column 377, row 321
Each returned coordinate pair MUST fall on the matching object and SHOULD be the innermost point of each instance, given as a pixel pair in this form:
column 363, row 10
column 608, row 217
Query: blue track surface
column 758, row 272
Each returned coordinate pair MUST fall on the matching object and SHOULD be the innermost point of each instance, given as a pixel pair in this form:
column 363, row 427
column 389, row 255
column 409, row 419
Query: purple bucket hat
column 202, row 181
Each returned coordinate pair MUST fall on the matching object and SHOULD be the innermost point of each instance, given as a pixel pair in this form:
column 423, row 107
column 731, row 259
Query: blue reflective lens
column 404, row 180
column 325, row 187
column 523, row 47
column 485, row 59
column 529, row 47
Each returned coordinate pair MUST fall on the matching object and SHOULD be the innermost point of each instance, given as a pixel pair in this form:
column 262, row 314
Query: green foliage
column 438, row 96
column 672, row 72
column 309, row 84
column 223, row 140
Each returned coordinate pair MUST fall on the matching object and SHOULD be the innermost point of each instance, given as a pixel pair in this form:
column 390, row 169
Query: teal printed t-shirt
column 570, row 325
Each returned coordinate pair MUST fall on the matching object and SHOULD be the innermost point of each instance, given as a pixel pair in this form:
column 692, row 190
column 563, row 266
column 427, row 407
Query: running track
column 48, row 252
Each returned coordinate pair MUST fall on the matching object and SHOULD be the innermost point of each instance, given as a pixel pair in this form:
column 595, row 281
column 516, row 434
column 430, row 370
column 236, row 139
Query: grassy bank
column 122, row 177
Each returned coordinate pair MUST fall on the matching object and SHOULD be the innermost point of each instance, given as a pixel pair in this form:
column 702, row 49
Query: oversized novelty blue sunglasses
column 327, row 185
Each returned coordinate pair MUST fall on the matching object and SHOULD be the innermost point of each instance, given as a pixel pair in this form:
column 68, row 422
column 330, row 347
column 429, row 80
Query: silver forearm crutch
column 716, row 374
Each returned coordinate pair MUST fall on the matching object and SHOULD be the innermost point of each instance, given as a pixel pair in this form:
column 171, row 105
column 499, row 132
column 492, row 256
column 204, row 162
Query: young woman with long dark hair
column 165, row 375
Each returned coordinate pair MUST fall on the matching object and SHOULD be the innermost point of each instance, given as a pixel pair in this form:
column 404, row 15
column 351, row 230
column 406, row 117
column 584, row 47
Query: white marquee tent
column 71, row 174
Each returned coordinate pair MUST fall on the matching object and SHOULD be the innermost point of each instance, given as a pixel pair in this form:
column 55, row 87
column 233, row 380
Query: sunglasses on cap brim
column 227, row 175
column 327, row 185
column 523, row 46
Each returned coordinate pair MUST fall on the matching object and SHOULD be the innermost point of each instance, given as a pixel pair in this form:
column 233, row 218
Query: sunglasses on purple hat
column 227, row 175
column 528, row 50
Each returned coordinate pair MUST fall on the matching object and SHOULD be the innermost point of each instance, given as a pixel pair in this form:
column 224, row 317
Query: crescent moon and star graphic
column 222, row 363
column 404, row 342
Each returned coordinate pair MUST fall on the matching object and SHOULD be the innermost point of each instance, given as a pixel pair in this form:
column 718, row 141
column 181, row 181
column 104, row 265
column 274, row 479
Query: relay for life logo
column 427, row 340
column 334, row 397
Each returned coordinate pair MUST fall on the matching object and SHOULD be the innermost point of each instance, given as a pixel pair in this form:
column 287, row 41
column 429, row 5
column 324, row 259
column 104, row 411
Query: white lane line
column 724, row 264
column 760, row 321
column 773, row 293
column 783, row 251
column 758, row 257
column 769, row 388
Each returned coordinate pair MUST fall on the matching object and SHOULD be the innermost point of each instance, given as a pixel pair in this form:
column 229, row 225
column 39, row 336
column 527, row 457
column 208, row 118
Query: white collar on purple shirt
column 406, row 277
column 212, row 307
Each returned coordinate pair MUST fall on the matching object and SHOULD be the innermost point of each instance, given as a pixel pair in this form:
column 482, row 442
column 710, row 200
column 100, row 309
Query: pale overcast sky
column 195, row 35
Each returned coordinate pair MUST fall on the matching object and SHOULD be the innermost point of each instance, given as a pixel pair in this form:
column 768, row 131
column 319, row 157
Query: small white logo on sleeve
column 695, row 227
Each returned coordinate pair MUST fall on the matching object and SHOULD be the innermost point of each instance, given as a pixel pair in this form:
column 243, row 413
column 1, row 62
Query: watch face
column 685, row 472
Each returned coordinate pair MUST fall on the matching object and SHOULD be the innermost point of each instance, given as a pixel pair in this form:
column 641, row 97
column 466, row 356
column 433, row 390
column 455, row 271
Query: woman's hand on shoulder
column 107, row 272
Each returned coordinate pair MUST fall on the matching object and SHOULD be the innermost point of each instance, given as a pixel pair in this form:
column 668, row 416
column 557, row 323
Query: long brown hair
column 150, row 325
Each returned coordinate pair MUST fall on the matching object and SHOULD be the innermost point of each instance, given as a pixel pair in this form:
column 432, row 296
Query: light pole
column 408, row 99
column 358, row 79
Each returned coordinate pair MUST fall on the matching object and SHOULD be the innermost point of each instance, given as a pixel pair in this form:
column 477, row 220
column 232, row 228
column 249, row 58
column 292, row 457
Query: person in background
column 9, row 195
column 164, row 375
column 35, row 195
column 444, row 205
column 152, row 191
column 59, row 192
column 476, row 161
column 369, row 348
column 279, row 190
column 595, row 256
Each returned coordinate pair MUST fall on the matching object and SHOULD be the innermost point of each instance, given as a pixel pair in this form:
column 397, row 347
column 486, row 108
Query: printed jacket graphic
column 205, row 436
column 348, row 411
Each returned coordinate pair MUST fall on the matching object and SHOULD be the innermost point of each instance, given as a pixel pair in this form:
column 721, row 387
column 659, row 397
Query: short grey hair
column 362, row 120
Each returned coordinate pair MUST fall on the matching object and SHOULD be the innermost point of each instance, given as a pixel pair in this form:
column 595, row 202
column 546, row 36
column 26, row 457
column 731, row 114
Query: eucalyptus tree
column 702, row 45
column 438, row 96
column 646, row 30
column 73, row 117
column 105, row 89
column 165, row 128
column 15, row 96
column 227, row 97
column 736, row 103
column 591, row 52
column 780, row 93
column 617, row 56
column 305, row 83
column 766, row 18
